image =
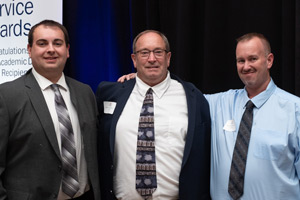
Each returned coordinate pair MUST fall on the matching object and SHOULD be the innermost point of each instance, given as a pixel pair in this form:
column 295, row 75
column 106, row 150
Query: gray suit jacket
column 30, row 162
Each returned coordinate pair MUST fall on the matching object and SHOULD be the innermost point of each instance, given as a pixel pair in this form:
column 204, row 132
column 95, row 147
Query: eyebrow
column 55, row 40
column 157, row 48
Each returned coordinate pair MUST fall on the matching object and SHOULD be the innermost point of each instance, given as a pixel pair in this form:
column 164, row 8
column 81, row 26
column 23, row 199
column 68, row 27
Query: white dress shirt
column 170, row 126
column 49, row 98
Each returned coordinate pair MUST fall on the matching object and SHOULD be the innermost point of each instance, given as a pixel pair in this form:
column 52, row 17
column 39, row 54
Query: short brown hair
column 48, row 23
column 165, row 39
column 249, row 36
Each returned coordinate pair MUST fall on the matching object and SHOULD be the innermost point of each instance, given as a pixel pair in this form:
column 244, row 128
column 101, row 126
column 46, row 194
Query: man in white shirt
column 181, row 129
column 272, row 163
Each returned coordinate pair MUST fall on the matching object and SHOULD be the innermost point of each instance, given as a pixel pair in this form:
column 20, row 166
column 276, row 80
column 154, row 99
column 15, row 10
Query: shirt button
column 112, row 166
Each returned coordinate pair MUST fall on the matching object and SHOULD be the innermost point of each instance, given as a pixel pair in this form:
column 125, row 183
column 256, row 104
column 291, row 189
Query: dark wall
column 201, row 33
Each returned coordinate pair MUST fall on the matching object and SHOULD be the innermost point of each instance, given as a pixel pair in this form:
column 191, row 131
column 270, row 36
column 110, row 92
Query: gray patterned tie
column 145, row 158
column 70, row 183
column 239, row 158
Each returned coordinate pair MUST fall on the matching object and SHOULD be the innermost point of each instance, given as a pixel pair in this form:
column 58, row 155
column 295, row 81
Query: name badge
column 229, row 126
column 109, row 107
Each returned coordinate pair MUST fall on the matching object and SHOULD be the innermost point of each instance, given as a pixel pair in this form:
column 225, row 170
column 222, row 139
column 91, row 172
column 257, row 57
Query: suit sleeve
column 4, row 133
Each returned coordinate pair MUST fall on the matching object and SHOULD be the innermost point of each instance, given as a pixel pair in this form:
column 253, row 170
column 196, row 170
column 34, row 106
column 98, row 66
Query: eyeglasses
column 158, row 53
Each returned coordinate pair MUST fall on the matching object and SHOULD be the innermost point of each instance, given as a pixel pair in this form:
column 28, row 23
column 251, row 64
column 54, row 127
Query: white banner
column 16, row 19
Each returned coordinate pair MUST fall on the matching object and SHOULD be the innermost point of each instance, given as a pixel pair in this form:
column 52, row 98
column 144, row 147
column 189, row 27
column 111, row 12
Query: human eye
column 240, row 61
column 253, row 59
column 41, row 43
column 58, row 43
column 158, row 52
column 144, row 53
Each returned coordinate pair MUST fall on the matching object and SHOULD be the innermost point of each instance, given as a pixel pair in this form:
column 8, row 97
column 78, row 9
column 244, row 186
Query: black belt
column 86, row 196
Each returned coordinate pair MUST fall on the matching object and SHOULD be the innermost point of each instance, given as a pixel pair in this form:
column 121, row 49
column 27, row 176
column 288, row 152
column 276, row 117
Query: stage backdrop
column 201, row 34
column 16, row 19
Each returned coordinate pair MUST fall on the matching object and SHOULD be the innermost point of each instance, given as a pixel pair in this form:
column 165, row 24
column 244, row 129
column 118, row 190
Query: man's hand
column 126, row 77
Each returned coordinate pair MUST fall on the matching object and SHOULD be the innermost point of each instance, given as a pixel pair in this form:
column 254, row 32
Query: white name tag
column 109, row 107
column 229, row 126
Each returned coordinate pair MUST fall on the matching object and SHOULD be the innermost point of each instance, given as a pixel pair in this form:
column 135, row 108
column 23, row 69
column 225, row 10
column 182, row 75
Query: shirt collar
column 159, row 89
column 262, row 97
column 44, row 83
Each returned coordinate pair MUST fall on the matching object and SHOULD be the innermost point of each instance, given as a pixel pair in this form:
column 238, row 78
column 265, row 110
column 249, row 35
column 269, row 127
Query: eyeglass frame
column 149, row 51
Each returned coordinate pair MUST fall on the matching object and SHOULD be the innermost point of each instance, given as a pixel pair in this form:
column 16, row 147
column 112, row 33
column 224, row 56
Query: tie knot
column 54, row 87
column 249, row 105
column 149, row 91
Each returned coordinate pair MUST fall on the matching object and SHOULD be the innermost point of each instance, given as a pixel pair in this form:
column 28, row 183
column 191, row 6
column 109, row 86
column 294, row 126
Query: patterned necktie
column 239, row 158
column 145, row 156
column 70, row 183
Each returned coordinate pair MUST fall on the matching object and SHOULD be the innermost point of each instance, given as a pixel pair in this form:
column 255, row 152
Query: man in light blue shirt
column 273, row 166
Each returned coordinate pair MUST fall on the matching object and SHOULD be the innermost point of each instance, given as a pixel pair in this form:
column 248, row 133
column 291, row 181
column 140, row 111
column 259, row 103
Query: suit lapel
column 125, row 92
column 191, row 104
column 39, row 105
column 74, row 99
column 76, row 102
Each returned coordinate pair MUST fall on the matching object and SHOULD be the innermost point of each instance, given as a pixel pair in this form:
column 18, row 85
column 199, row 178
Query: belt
column 86, row 196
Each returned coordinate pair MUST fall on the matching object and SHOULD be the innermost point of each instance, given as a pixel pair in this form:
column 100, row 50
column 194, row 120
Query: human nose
column 50, row 48
column 247, row 65
column 151, row 57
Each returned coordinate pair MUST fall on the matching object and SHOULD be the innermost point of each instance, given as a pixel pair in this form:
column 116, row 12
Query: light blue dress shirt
column 273, row 166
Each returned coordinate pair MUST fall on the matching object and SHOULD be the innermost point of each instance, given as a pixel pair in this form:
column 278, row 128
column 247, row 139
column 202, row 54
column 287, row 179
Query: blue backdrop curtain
column 202, row 36
column 100, row 39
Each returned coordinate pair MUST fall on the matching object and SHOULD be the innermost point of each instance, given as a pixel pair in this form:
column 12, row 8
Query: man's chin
column 248, row 82
column 152, row 75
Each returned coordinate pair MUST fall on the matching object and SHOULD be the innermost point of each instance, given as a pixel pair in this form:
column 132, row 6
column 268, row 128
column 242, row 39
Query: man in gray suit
column 35, row 162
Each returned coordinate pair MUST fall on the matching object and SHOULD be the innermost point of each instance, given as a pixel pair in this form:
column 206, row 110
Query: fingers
column 126, row 77
column 122, row 79
column 130, row 76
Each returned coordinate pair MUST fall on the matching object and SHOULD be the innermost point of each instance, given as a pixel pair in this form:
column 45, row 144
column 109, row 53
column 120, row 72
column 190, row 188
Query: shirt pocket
column 171, row 132
column 177, row 131
column 161, row 131
column 268, row 144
